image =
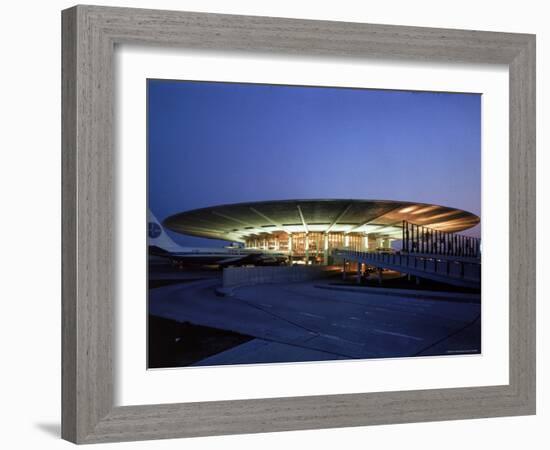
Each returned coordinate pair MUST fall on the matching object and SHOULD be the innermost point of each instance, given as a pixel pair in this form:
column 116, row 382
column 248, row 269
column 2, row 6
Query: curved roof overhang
column 239, row 221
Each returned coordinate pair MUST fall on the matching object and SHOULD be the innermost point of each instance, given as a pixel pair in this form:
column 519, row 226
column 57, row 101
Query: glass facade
column 310, row 246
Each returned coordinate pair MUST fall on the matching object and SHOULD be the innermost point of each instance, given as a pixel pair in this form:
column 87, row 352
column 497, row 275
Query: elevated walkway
column 465, row 272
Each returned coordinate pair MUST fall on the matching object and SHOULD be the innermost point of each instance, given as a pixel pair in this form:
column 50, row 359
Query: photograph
column 292, row 224
column 275, row 225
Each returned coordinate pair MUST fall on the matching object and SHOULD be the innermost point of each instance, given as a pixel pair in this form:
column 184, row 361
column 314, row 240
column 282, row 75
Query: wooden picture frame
column 89, row 37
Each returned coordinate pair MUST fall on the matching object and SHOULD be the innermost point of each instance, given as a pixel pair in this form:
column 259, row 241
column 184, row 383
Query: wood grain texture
column 89, row 36
column 68, row 224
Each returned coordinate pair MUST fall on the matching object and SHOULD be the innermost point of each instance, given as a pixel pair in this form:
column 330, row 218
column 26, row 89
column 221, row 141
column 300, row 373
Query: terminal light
column 425, row 210
column 437, row 216
column 408, row 209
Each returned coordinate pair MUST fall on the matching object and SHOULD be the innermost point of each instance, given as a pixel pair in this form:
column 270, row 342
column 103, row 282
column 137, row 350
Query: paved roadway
column 299, row 322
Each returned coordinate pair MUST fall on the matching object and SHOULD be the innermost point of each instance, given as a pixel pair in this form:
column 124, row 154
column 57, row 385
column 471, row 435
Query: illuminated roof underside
column 237, row 222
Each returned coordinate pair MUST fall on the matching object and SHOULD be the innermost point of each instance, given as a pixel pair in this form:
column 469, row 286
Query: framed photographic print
column 268, row 222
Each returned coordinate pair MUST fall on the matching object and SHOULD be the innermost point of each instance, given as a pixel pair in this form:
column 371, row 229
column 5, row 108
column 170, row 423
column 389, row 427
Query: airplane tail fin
column 157, row 236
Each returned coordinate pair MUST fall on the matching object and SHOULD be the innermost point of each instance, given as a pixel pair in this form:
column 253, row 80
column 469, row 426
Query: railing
column 465, row 272
column 424, row 240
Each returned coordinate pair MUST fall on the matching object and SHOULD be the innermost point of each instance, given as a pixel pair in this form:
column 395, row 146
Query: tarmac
column 301, row 322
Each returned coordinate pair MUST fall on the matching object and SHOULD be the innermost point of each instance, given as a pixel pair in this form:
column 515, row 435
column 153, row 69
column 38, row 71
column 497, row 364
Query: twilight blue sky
column 214, row 143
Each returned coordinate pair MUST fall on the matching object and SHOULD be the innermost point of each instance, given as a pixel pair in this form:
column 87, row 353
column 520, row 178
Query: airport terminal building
column 308, row 230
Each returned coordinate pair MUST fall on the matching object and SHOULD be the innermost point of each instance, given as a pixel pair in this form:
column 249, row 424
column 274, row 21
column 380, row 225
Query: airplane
column 163, row 249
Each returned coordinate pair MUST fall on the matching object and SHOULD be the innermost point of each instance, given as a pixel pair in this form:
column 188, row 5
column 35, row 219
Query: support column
column 359, row 272
column 325, row 250
column 344, row 271
column 290, row 249
column 317, row 247
column 379, row 276
column 307, row 249
column 371, row 242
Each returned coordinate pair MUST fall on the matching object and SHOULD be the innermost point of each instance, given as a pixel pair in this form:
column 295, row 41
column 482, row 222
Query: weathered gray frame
column 89, row 36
